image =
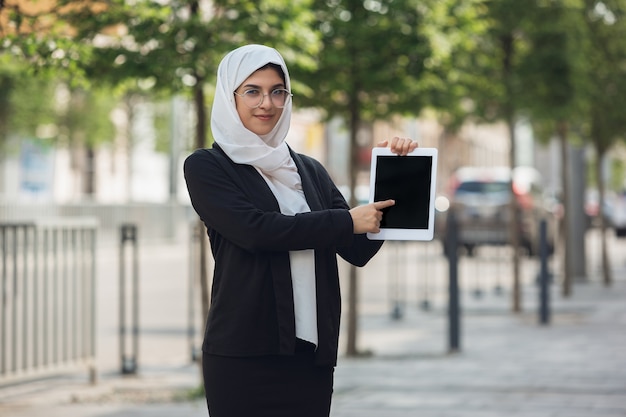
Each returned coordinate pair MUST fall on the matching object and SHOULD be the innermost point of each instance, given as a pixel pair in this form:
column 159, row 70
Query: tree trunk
column 89, row 174
column 130, row 101
column 352, row 327
column 200, row 142
column 566, row 253
column 198, row 98
column 606, row 265
column 515, row 223
column 508, row 48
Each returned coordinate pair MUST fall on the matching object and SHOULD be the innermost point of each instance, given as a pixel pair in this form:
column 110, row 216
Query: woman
column 276, row 222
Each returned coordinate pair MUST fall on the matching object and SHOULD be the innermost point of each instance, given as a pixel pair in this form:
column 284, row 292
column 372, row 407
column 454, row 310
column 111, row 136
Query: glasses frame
column 288, row 96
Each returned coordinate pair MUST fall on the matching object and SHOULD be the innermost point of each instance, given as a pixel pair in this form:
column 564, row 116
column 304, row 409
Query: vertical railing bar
column 122, row 303
column 87, row 293
column 15, row 326
column 36, row 311
column 25, row 297
column 45, row 296
column 82, row 259
column 4, row 305
column 136, row 298
column 55, row 295
column 74, row 306
column 93, row 300
column 64, row 295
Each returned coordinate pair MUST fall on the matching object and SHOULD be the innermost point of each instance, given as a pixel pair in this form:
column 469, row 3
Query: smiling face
column 260, row 120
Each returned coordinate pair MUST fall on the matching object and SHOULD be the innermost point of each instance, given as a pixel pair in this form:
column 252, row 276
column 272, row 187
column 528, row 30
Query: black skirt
column 267, row 386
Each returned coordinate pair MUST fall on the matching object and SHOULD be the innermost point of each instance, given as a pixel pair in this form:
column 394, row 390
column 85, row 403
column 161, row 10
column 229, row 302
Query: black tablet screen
column 407, row 181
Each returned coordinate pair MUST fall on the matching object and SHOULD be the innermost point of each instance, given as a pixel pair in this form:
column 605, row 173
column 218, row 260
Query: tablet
column 410, row 181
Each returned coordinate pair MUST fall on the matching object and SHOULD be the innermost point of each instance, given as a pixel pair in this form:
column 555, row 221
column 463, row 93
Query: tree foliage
column 372, row 57
column 26, row 102
column 168, row 45
column 462, row 76
column 606, row 22
column 607, row 58
column 556, row 71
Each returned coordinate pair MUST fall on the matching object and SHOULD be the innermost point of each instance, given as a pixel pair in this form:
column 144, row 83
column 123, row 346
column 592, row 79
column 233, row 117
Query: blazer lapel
column 251, row 181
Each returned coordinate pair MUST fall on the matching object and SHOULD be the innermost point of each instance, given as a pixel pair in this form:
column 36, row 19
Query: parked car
column 481, row 199
column 592, row 207
column 618, row 214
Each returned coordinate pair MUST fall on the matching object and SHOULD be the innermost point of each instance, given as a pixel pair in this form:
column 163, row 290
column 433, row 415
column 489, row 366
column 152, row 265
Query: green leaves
column 108, row 42
column 565, row 57
column 372, row 57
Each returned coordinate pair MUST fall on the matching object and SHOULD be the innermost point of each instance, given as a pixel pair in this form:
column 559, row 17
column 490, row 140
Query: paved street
column 508, row 365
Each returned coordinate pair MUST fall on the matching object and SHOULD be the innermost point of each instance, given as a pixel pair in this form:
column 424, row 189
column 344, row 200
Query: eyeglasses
column 253, row 98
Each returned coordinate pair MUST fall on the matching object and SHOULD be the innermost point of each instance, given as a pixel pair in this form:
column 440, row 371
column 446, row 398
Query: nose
column 266, row 103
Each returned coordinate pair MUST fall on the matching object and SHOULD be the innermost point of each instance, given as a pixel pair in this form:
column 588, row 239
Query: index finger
column 379, row 205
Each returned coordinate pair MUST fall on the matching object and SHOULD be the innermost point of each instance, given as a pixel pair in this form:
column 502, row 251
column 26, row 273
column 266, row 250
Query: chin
column 262, row 132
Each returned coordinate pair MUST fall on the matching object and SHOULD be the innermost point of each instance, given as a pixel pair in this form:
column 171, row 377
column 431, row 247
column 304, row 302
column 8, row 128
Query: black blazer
column 252, row 311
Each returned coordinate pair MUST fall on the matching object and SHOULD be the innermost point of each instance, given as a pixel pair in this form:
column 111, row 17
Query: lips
column 264, row 117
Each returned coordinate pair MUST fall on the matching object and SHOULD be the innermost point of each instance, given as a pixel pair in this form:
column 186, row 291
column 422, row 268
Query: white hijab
column 268, row 153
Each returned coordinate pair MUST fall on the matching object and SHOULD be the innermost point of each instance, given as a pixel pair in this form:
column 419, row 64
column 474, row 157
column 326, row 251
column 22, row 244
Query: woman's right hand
column 366, row 218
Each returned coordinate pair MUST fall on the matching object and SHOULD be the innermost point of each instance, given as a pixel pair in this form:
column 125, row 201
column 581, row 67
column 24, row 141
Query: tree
column 606, row 21
column 84, row 124
column 531, row 63
column 459, row 81
column 556, row 89
column 369, row 68
column 25, row 104
column 486, row 64
column 42, row 107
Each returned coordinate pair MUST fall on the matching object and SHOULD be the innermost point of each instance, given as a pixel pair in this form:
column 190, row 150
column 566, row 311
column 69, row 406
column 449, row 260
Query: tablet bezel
column 398, row 233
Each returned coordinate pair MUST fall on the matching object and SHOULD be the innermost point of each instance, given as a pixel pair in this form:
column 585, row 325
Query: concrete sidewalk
column 509, row 365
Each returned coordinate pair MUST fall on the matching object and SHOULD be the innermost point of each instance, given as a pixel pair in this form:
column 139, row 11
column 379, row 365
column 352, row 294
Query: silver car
column 618, row 215
column 481, row 200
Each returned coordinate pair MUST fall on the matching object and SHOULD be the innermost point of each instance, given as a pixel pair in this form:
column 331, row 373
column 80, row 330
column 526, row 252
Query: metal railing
column 48, row 299
column 163, row 221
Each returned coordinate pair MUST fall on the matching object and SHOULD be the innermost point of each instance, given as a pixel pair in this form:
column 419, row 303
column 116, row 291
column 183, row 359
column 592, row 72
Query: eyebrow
column 259, row 87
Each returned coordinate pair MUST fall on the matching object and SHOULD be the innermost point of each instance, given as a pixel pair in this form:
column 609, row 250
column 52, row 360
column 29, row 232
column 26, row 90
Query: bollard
column 396, row 278
column 128, row 233
column 454, row 322
column 544, row 276
column 425, row 303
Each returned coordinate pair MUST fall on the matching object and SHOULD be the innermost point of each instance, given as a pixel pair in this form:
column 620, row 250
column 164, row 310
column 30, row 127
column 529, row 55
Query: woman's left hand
column 400, row 146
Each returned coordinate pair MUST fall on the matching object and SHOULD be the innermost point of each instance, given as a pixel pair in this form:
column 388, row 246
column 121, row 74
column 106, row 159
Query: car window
column 483, row 187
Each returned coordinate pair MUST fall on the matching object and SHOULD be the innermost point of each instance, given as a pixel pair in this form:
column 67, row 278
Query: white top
column 302, row 267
